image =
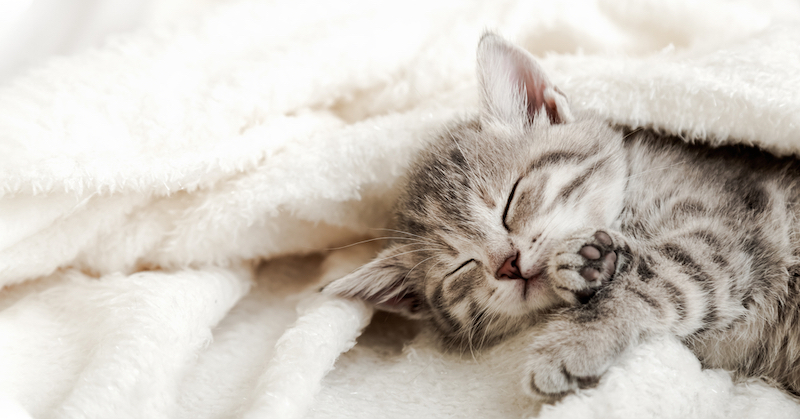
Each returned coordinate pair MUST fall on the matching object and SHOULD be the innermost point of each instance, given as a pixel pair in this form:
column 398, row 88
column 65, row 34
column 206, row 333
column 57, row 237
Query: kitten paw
column 582, row 264
column 565, row 357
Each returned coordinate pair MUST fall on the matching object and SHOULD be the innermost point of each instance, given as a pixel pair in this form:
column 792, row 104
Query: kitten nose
column 509, row 269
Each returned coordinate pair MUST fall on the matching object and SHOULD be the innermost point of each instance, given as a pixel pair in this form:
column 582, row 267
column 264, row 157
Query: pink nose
column 509, row 269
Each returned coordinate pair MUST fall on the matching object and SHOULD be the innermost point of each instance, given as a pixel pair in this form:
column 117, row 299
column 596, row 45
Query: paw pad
column 583, row 265
column 604, row 269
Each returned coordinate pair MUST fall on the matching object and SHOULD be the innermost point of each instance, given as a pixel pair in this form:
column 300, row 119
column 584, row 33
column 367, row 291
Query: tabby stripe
column 696, row 272
column 708, row 237
column 437, row 298
column 653, row 303
column 755, row 198
column 687, row 208
column 579, row 180
column 700, row 331
column 679, row 255
column 676, row 297
column 645, row 272
column 446, row 323
column 442, row 309
column 712, row 241
column 461, row 288
column 784, row 343
column 537, row 199
column 720, row 260
column 566, row 373
column 555, row 158
column 444, row 320
column 476, row 315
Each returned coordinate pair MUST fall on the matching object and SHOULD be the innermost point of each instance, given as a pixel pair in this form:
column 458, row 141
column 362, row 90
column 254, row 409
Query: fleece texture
column 171, row 202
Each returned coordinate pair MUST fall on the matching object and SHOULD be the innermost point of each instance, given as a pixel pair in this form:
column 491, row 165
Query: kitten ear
column 514, row 88
column 382, row 282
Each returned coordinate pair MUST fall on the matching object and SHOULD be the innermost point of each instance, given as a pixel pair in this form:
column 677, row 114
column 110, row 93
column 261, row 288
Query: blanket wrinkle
column 171, row 202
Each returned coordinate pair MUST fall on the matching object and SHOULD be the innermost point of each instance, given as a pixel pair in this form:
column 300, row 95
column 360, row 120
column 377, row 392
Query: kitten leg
column 656, row 289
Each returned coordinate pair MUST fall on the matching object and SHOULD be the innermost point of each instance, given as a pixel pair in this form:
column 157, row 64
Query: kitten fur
column 535, row 218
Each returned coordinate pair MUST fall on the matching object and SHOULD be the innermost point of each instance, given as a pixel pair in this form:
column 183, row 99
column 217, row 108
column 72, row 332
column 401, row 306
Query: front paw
column 582, row 264
column 567, row 356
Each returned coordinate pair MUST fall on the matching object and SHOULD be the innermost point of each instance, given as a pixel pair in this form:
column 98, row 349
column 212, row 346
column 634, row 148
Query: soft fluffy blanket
column 171, row 201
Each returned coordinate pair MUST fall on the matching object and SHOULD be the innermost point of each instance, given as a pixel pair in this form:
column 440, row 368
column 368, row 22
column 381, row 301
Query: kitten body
column 537, row 219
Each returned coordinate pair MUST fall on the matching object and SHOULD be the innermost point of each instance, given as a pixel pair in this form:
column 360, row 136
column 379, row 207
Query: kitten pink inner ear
column 514, row 88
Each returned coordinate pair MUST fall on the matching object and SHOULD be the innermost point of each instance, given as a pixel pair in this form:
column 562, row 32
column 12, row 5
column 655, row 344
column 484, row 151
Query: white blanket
column 141, row 183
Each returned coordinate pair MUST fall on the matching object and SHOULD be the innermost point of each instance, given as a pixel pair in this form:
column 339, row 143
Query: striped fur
column 703, row 242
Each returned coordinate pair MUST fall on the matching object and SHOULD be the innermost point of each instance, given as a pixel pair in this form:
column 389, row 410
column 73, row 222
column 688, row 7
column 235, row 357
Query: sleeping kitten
column 530, row 217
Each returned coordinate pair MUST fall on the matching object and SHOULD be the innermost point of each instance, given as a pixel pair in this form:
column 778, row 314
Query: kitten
column 532, row 217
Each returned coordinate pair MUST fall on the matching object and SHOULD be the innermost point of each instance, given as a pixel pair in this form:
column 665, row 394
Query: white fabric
column 139, row 180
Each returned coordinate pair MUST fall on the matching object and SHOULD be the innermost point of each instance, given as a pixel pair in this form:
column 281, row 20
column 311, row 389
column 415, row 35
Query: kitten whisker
column 635, row 131
column 370, row 240
column 460, row 150
column 424, row 239
column 425, row 278
column 485, row 327
column 405, row 253
column 410, row 270
column 655, row 169
column 406, row 245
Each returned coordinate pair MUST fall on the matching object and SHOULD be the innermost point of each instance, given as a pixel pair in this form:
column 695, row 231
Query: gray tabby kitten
column 530, row 217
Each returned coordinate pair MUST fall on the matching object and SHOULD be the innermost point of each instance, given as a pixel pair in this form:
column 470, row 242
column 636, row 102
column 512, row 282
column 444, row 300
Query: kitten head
column 485, row 204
